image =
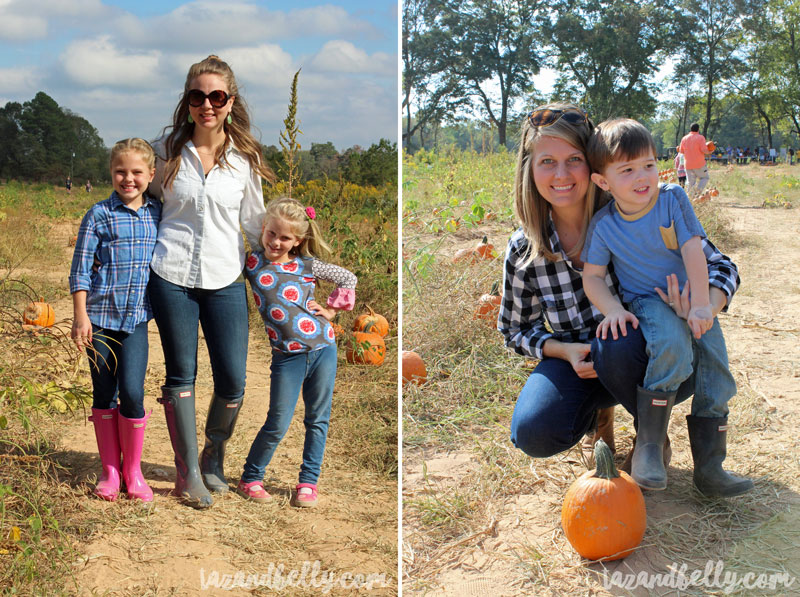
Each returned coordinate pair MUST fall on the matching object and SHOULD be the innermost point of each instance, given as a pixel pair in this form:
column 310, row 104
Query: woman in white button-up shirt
column 208, row 174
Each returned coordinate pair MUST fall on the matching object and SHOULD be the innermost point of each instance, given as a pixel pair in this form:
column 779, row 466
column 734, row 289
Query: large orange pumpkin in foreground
column 413, row 368
column 603, row 515
column 366, row 348
column 378, row 322
column 39, row 313
column 710, row 146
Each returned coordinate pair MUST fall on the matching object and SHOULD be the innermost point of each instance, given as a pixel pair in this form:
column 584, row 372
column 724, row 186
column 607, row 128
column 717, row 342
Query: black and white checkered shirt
column 552, row 293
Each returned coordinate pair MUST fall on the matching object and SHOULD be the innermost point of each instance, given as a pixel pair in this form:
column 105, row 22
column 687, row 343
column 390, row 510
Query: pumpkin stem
column 495, row 291
column 605, row 461
column 371, row 312
column 485, row 240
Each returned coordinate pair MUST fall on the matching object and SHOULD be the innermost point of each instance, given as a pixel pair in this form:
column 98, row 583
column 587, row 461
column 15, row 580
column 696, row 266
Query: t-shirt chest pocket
column 669, row 237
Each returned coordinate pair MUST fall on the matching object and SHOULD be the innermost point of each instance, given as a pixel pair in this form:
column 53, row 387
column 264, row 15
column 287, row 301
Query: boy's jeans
column 670, row 349
column 314, row 372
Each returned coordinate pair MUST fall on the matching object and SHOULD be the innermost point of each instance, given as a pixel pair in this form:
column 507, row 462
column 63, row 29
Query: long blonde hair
column 237, row 131
column 530, row 207
column 295, row 213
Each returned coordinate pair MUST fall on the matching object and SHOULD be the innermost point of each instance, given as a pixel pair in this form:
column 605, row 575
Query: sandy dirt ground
column 523, row 550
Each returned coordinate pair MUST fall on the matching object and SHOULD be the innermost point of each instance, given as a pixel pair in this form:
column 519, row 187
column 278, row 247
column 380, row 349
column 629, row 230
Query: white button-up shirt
column 200, row 244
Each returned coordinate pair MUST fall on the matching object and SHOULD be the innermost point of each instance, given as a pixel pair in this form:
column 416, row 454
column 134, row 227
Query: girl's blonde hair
column 136, row 144
column 304, row 228
column 529, row 206
column 237, row 131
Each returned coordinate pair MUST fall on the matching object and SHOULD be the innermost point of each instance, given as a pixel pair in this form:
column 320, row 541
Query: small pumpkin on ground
column 366, row 348
column 484, row 250
column 413, row 368
column 489, row 305
column 603, row 514
column 39, row 313
column 378, row 323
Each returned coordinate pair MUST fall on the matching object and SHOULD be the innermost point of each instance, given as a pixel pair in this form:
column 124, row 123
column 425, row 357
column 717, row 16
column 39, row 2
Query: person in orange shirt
column 693, row 147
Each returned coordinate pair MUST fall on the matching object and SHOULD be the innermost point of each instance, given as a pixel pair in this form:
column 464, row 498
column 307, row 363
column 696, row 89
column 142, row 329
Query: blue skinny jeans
column 117, row 366
column 314, row 373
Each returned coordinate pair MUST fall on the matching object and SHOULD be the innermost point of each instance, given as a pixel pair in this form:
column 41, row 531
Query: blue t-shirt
column 644, row 248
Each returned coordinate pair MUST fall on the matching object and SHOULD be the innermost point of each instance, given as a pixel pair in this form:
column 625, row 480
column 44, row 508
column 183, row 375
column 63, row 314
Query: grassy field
column 44, row 518
column 461, row 474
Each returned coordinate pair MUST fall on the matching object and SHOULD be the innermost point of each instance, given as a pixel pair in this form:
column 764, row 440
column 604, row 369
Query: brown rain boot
column 604, row 429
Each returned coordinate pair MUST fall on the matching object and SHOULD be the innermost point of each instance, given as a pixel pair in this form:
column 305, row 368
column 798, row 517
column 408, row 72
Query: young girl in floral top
column 283, row 277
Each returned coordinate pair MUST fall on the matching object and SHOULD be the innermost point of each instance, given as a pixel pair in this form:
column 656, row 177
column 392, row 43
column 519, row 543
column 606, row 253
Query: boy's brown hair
column 616, row 140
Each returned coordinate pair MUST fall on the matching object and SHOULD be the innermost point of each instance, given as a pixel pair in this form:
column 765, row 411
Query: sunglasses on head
column 547, row 116
column 217, row 98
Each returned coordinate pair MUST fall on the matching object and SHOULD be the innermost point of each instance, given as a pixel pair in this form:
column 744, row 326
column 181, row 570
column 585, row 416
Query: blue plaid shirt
column 112, row 262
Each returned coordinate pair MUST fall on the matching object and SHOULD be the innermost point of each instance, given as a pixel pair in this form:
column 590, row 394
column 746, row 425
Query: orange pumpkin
column 39, row 313
column 710, row 146
column 484, row 250
column 489, row 305
column 413, row 368
column 337, row 330
column 603, row 514
column 372, row 322
column 366, row 348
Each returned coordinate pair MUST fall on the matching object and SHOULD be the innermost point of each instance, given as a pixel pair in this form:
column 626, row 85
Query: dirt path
column 523, row 550
column 169, row 549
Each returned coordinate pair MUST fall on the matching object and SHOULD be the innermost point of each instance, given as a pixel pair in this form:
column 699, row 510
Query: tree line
column 45, row 142
column 732, row 60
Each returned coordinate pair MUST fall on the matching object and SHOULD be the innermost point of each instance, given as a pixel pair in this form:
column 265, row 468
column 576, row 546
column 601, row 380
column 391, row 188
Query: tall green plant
column 290, row 148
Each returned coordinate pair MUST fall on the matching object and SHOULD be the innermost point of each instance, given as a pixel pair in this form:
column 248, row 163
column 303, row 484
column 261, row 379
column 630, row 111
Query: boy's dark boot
column 708, row 439
column 179, row 410
column 222, row 415
column 653, row 410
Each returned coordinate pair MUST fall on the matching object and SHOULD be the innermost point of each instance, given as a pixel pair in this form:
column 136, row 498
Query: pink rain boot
column 131, row 438
column 105, row 430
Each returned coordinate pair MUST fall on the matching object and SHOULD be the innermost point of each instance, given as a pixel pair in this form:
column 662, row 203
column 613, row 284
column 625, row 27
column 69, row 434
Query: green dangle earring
column 229, row 120
column 190, row 119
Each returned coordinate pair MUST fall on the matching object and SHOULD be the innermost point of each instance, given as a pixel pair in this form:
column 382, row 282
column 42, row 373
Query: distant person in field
column 545, row 313
column 68, row 185
column 283, row 275
column 208, row 175
column 791, row 156
column 649, row 232
column 694, row 148
column 680, row 167
column 108, row 281
column 88, row 186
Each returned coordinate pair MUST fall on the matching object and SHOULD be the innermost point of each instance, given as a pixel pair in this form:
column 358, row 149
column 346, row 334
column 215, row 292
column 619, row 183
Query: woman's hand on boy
column 318, row 309
column 675, row 297
column 700, row 320
column 616, row 320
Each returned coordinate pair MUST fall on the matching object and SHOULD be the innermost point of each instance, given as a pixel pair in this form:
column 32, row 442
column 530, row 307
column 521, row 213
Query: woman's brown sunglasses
column 547, row 116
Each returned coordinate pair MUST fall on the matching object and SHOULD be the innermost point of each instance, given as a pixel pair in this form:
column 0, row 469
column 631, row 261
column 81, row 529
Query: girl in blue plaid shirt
column 108, row 281
column 545, row 313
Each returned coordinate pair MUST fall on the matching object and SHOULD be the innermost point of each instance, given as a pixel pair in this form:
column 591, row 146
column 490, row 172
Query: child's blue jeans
column 670, row 350
column 117, row 366
column 314, row 372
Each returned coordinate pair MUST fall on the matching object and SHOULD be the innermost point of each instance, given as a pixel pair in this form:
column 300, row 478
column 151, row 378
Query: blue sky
column 121, row 64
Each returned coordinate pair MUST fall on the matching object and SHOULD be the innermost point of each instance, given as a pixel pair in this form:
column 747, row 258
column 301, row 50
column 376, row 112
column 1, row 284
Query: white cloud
column 97, row 62
column 266, row 65
column 29, row 20
column 20, row 80
column 344, row 57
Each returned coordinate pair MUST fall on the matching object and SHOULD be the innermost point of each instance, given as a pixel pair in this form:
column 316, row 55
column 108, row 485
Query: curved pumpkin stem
column 495, row 291
column 605, row 461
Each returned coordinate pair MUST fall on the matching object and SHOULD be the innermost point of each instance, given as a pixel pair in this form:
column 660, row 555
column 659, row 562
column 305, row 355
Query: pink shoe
column 253, row 490
column 105, row 431
column 305, row 495
column 131, row 440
